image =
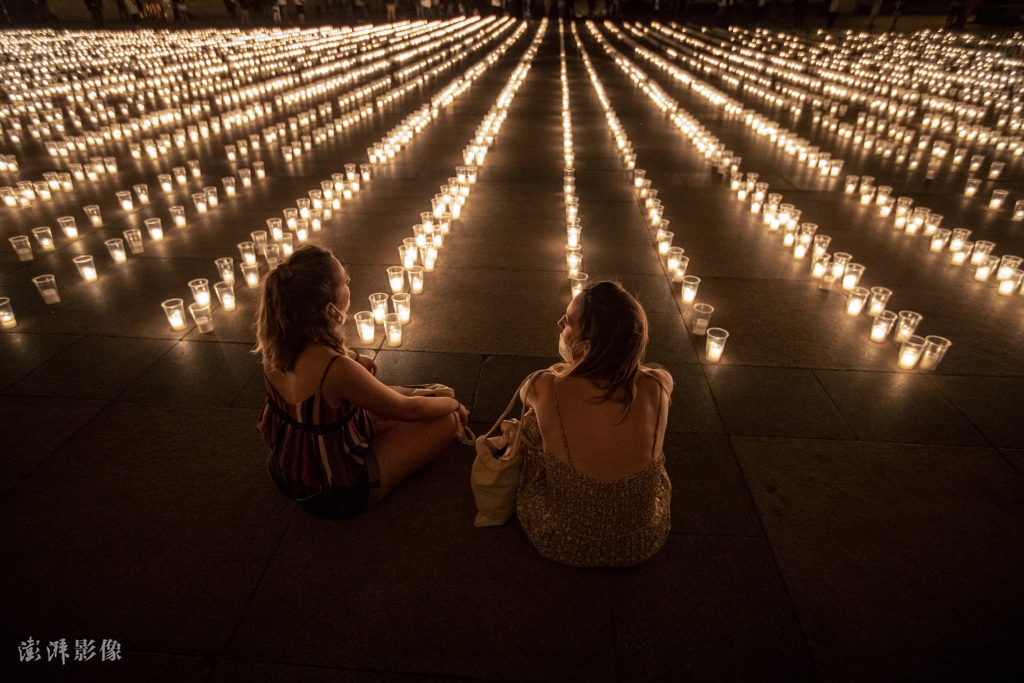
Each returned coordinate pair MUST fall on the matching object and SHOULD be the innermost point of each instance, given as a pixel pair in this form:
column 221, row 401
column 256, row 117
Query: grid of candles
column 885, row 128
column 418, row 254
column 784, row 218
column 676, row 263
column 45, row 122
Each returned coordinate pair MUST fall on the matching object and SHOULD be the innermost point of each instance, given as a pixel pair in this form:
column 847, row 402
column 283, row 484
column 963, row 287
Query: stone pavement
column 833, row 517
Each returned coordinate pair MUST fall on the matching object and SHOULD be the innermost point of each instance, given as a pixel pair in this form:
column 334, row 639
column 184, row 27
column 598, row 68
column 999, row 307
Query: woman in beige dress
column 593, row 490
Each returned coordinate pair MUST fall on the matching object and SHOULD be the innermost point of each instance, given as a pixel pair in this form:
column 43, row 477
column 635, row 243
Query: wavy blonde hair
column 291, row 316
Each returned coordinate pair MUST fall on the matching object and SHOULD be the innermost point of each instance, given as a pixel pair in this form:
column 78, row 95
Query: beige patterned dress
column 577, row 520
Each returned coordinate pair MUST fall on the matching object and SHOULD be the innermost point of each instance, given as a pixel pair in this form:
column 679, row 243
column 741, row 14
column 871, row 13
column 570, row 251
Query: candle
column 8, row 321
column 393, row 329
column 125, row 200
column 226, row 294
column 909, row 356
column 934, row 350
column 93, row 212
column 984, row 270
column 415, row 279
column 403, row 307
column 379, row 307
column 174, row 309
column 251, row 274
column 365, row 326
column 690, row 285
column 396, row 278
column 226, row 268
column 200, row 291
column 883, row 322
column 715, row 344
column 857, row 301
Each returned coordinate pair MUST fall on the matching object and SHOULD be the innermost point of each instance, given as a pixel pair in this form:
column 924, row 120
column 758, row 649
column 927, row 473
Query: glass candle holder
column 154, row 226
column 821, row 243
column 402, row 304
column 879, row 300
column 287, row 245
column 995, row 170
column 247, row 250
column 1011, row 284
column 133, row 237
column 910, row 352
column 932, row 223
column 193, row 168
column 251, row 274
column 680, row 272
column 211, row 196
column 8, row 321
column 259, row 240
column 689, row 292
column 226, row 295
column 715, row 344
column 275, row 227
column 203, row 317
column 574, row 233
column 415, row 279
column 226, row 269
column 174, row 309
column 852, row 181
column 396, row 278
column 92, row 212
column 116, row 248
column 906, row 325
column 971, row 188
column 245, row 176
column 166, row 182
column 200, row 291
column 393, row 329
column 142, row 192
column 839, row 261
column 379, row 307
column 68, row 226
column 273, row 255
column 365, row 327
column 985, row 268
column 665, row 242
column 998, row 197
column 852, row 275
column 199, row 199
column 882, row 325
column 857, row 300
column 125, row 200
column 820, row 266
column 229, row 186
column 672, row 262
column 86, row 268
column 47, row 286
column 934, row 351
column 577, row 283
column 1007, row 265
column 22, row 247
column 259, row 169
column 179, row 174
column 1018, row 211
column 44, row 237
column 702, row 318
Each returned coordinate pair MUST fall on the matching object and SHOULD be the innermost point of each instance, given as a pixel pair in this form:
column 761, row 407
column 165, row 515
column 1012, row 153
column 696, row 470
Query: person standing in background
column 876, row 8
column 833, row 13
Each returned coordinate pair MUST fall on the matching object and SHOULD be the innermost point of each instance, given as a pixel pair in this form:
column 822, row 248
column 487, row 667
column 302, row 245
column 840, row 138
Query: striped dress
column 320, row 456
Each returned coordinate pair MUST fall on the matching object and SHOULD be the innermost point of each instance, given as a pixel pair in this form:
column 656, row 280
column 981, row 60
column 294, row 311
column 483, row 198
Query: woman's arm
column 350, row 381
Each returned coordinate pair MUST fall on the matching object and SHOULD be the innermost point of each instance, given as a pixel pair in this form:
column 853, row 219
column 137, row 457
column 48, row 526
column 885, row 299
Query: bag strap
column 512, row 403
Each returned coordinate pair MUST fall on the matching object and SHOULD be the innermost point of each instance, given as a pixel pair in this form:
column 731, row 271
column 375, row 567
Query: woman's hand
column 367, row 363
column 463, row 414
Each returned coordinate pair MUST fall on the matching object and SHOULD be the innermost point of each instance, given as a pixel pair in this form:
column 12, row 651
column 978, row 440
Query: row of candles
column 785, row 217
column 116, row 247
column 574, row 230
column 275, row 244
column 922, row 220
column 418, row 254
column 869, row 128
column 675, row 261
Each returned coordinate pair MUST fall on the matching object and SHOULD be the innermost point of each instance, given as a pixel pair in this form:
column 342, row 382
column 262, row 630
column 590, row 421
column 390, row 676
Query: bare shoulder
column 541, row 383
column 662, row 376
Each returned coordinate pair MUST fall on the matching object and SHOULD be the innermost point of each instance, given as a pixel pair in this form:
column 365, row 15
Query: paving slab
column 899, row 558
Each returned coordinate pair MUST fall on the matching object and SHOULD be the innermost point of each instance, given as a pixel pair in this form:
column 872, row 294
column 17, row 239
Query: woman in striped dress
column 340, row 440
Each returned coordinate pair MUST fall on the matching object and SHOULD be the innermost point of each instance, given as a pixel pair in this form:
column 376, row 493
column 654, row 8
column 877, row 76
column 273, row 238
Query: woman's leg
column 408, row 446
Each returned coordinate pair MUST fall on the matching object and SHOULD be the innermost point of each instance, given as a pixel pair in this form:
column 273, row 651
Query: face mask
column 563, row 350
column 338, row 315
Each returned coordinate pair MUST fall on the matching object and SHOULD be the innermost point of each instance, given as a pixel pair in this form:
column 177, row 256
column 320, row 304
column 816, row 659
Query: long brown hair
column 613, row 326
column 291, row 314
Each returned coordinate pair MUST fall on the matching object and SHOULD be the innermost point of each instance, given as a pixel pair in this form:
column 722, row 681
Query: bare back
column 598, row 447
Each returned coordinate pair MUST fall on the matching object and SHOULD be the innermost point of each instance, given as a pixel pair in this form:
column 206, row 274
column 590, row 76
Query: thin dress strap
column 326, row 370
column 561, row 426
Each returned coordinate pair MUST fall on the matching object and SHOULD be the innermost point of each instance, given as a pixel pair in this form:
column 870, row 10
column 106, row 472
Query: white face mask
column 339, row 316
column 564, row 350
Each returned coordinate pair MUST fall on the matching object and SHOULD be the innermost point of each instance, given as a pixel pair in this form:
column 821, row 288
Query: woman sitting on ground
column 340, row 440
column 593, row 490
